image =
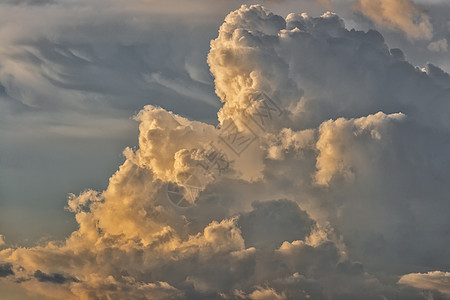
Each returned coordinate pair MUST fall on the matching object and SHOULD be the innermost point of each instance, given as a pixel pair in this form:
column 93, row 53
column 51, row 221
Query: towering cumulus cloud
column 325, row 179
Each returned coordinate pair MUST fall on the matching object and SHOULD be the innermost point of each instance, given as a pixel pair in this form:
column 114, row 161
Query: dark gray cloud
column 6, row 270
column 53, row 278
column 271, row 223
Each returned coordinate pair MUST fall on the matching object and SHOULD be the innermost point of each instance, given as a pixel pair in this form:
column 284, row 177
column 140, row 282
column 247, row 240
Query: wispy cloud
column 402, row 15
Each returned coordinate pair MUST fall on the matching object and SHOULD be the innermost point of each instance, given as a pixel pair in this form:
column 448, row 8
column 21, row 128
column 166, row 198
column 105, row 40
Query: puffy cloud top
column 324, row 179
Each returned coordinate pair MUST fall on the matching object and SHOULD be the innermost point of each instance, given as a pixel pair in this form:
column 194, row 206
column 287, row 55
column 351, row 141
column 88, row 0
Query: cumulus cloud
column 335, row 136
column 325, row 178
column 402, row 15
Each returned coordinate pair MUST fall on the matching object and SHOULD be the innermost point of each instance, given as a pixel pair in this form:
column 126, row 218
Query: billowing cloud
column 334, row 157
column 401, row 15
column 325, row 178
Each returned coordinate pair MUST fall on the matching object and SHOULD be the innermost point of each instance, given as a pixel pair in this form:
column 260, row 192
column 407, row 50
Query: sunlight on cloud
column 323, row 179
column 401, row 15
column 439, row 281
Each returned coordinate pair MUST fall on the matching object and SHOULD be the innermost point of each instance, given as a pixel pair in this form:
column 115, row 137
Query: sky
column 281, row 149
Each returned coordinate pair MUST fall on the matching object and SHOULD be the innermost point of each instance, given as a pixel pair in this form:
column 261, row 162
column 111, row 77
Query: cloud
column 62, row 61
column 6, row 270
column 334, row 138
column 54, row 278
column 438, row 46
column 401, row 15
column 61, row 82
column 2, row 240
column 435, row 281
column 325, row 178
column 273, row 222
column 265, row 294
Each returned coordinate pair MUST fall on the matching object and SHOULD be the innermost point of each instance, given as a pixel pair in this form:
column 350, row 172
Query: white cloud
column 334, row 138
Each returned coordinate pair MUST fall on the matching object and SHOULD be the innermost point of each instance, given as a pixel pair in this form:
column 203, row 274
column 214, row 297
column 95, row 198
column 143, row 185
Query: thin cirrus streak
column 336, row 156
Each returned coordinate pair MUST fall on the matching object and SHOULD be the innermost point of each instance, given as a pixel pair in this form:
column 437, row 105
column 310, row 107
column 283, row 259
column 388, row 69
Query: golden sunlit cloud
column 306, row 189
column 438, row 281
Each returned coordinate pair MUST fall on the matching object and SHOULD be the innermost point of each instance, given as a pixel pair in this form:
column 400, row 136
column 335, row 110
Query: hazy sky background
column 73, row 73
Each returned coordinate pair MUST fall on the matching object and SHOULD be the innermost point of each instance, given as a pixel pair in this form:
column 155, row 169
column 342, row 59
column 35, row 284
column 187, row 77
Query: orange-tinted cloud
column 401, row 15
